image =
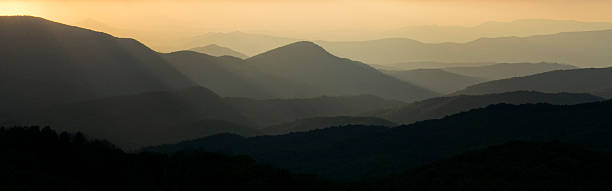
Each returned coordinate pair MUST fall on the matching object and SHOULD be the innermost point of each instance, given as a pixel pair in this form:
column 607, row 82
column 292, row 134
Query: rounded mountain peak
column 297, row 50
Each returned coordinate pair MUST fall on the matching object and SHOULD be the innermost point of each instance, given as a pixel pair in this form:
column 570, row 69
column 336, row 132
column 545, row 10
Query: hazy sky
column 309, row 15
column 298, row 18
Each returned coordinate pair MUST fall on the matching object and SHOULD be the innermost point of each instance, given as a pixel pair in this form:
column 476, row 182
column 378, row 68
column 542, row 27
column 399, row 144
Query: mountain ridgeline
column 582, row 49
column 308, row 63
column 440, row 107
column 594, row 81
column 354, row 152
column 447, row 80
column 298, row 70
column 216, row 50
column 493, row 29
column 507, row 70
column 309, row 124
column 437, row 80
column 253, row 44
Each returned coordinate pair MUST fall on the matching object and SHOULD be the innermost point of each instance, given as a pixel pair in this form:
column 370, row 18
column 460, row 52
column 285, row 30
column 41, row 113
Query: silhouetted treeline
column 508, row 167
column 42, row 159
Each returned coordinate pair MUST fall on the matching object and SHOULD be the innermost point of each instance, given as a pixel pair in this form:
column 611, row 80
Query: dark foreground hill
column 436, row 108
column 44, row 63
column 41, row 159
column 511, row 166
column 362, row 151
column 596, row 81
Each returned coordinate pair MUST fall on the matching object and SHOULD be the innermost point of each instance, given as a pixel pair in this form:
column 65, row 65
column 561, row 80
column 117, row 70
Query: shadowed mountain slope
column 435, row 79
column 436, row 108
column 596, row 81
column 216, row 50
column 363, row 151
column 166, row 117
column 314, row 123
column 233, row 77
column 148, row 118
column 44, row 63
column 306, row 62
column 274, row 111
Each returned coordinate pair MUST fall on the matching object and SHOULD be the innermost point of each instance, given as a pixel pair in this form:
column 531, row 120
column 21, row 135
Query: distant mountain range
column 579, row 48
column 436, row 108
column 298, row 70
column 492, row 29
column 308, row 63
column 582, row 49
column 249, row 44
column 507, row 70
column 451, row 79
column 233, row 77
column 437, row 80
column 216, row 50
column 594, row 81
column 356, row 152
column 252, row 43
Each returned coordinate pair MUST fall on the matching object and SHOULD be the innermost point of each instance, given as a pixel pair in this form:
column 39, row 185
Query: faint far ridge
column 216, row 50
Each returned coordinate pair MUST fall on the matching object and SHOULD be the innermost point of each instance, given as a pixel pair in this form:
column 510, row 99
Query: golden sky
column 306, row 14
column 299, row 17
